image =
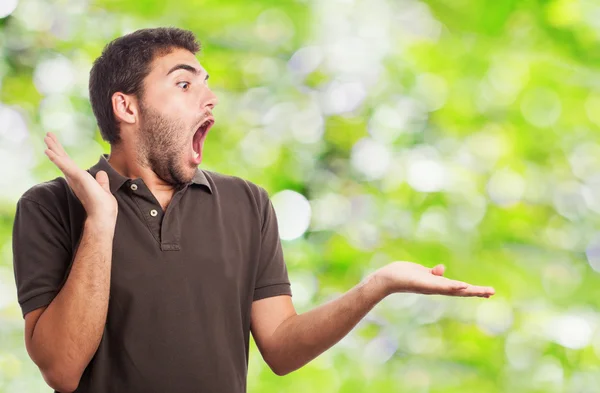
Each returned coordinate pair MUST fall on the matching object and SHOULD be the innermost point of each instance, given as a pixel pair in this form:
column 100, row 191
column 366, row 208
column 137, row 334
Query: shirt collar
column 200, row 178
column 117, row 180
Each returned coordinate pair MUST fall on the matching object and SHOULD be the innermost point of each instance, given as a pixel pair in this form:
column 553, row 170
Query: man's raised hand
column 94, row 194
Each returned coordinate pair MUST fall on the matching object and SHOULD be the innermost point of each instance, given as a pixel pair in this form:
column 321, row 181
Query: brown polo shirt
column 182, row 282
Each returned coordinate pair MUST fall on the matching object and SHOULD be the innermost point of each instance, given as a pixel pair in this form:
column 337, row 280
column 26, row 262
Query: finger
column 56, row 159
column 59, row 149
column 58, row 156
column 444, row 286
column 102, row 179
column 63, row 158
column 438, row 270
column 475, row 290
column 457, row 285
column 59, row 161
column 53, row 144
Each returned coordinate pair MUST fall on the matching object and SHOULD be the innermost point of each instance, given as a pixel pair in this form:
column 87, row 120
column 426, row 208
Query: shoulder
column 52, row 195
column 235, row 188
column 48, row 192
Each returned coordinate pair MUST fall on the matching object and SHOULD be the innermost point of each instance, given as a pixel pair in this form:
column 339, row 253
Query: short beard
column 158, row 148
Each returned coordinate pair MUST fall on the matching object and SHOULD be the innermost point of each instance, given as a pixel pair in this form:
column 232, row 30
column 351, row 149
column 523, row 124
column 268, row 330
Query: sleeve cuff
column 272, row 290
column 36, row 302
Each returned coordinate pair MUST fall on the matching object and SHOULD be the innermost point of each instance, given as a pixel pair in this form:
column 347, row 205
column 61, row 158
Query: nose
column 211, row 100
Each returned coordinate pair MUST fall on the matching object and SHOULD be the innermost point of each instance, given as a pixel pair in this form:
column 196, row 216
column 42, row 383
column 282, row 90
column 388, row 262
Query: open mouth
column 200, row 135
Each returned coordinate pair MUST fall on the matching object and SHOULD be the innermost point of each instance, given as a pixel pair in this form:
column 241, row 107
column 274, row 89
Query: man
column 147, row 274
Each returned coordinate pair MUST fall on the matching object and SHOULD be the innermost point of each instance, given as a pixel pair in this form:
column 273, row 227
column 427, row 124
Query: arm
column 62, row 338
column 288, row 341
column 67, row 333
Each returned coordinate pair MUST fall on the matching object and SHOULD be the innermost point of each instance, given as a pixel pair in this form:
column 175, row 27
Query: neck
column 124, row 161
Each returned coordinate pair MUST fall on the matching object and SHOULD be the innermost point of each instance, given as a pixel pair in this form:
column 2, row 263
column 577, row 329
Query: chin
column 184, row 173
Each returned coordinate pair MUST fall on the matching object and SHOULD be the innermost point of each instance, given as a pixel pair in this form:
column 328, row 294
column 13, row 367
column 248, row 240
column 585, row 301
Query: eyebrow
column 187, row 68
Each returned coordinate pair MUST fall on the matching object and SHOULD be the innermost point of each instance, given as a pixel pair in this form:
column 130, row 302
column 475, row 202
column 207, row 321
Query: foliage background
column 463, row 133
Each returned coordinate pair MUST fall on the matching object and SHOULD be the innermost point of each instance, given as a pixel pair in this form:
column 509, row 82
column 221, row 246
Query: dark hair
column 123, row 65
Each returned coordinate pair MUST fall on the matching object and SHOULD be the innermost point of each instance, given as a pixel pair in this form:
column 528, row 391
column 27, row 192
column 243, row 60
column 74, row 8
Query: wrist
column 376, row 286
column 101, row 224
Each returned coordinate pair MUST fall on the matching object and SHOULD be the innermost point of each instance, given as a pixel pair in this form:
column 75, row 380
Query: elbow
column 60, row 380
column 282, row 362
column 281, row 373
column 278, row 369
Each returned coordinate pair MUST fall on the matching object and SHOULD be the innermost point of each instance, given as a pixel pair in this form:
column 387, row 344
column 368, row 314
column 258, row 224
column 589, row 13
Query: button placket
column 147, row 204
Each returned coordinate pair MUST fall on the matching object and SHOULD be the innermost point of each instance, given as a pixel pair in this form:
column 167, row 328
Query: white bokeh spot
column 293, row 214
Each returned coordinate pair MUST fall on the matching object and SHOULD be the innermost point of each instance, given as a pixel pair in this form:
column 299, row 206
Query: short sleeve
column 41, row 255
column 272, row 276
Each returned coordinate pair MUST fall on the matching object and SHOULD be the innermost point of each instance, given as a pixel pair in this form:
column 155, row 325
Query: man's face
column 175, row 117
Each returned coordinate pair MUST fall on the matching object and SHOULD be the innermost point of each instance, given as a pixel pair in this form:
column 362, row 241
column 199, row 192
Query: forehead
column 163, row 64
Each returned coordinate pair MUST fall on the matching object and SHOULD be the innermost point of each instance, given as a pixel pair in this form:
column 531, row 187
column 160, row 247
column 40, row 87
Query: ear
column 125, row 108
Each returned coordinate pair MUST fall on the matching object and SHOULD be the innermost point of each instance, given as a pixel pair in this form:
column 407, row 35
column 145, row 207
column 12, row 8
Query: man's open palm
column 94, row 194
column 412, row 277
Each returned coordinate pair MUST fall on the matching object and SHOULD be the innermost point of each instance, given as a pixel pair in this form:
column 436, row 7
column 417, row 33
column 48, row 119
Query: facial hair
column 161, row 146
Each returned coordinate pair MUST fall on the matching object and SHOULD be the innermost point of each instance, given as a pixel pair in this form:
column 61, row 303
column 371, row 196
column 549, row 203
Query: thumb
column 102, row 179
column 438, row 270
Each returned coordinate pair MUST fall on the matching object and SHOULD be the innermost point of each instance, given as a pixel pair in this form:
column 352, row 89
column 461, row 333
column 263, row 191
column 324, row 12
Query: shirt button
column 134, row 187
column 153, row 212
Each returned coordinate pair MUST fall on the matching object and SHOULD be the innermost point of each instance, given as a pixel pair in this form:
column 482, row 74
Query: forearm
column 67, row 334
column 303, row 337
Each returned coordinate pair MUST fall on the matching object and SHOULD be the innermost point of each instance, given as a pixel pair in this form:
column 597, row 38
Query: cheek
column 171, row 104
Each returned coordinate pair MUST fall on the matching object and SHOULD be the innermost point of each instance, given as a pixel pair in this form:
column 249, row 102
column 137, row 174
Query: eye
column 184, row 83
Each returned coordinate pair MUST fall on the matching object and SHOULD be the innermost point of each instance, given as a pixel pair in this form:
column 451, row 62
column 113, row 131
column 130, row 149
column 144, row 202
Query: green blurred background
column 461, row 132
